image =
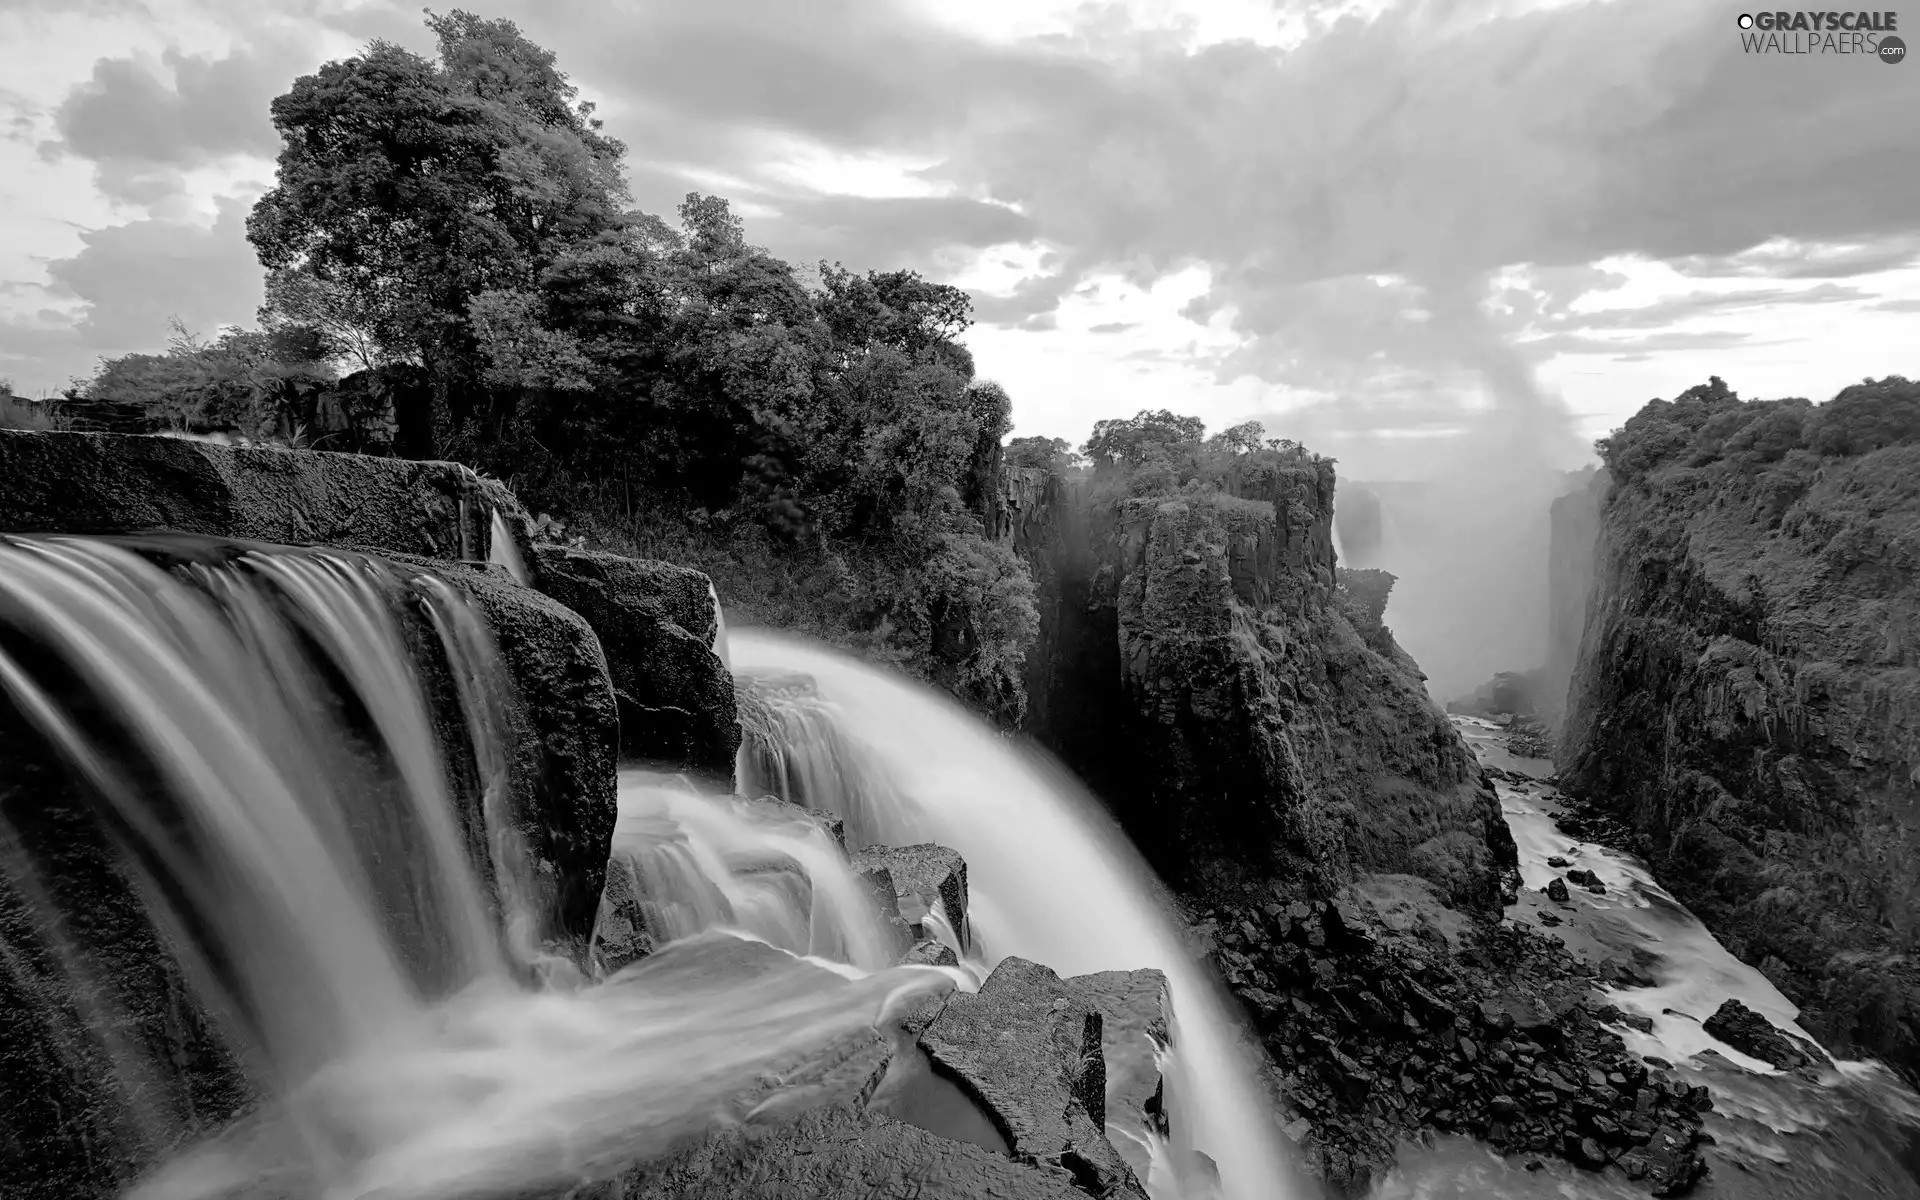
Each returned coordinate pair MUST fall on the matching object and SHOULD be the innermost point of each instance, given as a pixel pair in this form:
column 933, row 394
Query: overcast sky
column 1367, row 227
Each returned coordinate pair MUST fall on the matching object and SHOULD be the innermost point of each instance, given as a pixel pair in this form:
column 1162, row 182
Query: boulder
column 1750, row 1033
column 1028, row 1046
column 657, row 623
column 1136, row 1019
column 886, row 902
column 925, row 877
column 100, row 483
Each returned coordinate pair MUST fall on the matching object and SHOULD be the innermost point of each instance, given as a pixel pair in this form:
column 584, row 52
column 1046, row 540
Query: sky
column 1451, row 241
column 1362, row 224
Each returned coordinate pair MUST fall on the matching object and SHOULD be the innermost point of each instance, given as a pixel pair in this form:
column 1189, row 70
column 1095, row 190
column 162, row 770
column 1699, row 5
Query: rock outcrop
column 1747, row 700
column 102, row 483
column 1029, row 1047
column 925, row 878
column 1244, row 715
column 656, row 623
column 1380, row 1029
column 1750, row 1033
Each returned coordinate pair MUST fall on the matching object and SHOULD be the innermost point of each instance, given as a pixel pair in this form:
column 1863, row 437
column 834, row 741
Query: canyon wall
column 1574, row 529
column 1747, row 694
column 1251, row 722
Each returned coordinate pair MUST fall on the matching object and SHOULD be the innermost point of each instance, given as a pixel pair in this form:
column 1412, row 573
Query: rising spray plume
column 1468, row 540
column 251, row 727
column 1052, row 878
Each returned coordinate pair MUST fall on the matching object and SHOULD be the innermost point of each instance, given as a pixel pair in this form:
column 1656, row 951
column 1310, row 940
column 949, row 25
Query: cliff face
column 1747, row 697
column 1575, row 526
column 1199, row 664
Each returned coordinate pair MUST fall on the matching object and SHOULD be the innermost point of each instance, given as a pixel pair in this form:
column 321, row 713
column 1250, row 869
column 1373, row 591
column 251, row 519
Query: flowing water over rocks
column 1826, row 1128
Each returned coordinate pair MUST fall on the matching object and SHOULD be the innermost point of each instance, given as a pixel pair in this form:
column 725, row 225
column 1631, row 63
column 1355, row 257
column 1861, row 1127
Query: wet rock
column 1750, row 1033
column 1587, row 880
column 886, row 900
column 103, row 483
column 1558, row 863
column 827, row 823
column 876, row 1122
column 925, row 877
column 1556, row 890
column 564, row 737
column 1029, row 1046
column 1135, row 1009
column 931, row 954
column 656, row 622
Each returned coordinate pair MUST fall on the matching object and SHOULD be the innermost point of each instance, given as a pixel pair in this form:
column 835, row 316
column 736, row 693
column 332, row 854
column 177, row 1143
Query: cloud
column 1113, row 327
column 133, row 279
column 1898, row 306
column 1799, row 260
column 144, row 124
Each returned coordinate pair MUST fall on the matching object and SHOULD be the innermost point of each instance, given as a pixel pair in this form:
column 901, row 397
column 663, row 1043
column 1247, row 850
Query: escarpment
column 1204, row 664
column 1747, row 697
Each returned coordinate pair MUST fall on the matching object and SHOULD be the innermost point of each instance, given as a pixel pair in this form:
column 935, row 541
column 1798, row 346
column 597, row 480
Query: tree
column 407, row 189
column 1043, row 453
column 1146, row 436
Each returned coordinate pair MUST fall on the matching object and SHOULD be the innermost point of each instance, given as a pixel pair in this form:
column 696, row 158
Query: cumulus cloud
column 131, row 280
column 144, row 124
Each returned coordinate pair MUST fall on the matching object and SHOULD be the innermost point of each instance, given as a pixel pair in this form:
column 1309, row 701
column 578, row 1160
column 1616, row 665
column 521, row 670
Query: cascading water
column 254, row 732
column 1051, row 878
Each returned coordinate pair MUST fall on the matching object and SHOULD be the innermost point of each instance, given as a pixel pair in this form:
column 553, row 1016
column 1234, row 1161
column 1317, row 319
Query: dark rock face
column 1380, row 1030
column 1198, row 666
column 657, row 623
column 1750, row 1033
column 1029, row 1047
column 1746, row 708
column 96, row 483
column 563, row 734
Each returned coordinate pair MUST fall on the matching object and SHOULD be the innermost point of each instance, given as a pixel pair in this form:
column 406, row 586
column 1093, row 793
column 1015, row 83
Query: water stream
column 1843, row 1129
column 1052, row 878
column 257, row 732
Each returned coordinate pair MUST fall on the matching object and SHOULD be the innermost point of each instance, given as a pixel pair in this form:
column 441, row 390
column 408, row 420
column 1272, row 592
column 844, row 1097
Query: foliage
column 18, row 412
column 1046, row 454
column 1709, row 424
column 1148, row 437
column 256, row 384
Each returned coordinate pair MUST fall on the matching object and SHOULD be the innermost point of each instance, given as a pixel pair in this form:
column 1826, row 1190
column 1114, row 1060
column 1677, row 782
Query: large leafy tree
column 422, row 201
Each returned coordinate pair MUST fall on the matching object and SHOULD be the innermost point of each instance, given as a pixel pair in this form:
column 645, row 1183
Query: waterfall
column 257, row 732
column 691, row 863
column 1051, row 878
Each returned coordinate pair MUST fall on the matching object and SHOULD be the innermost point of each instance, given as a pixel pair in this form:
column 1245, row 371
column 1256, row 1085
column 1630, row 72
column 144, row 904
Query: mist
column 1466, row 529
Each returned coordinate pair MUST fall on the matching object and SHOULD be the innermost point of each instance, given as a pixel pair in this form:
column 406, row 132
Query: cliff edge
column 1210, row 672
column 1747, row 695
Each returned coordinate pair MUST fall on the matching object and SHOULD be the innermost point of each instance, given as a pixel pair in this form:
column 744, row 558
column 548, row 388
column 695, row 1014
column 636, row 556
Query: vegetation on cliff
column 1244, row 712
column 1747, row 699
column 455, row 271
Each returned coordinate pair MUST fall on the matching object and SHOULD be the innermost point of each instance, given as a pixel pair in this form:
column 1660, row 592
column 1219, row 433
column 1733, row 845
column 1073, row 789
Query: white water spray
column 1051, row 878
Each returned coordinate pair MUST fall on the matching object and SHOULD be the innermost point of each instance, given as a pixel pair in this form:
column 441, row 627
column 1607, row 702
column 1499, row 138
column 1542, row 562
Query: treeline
column 1709, row 424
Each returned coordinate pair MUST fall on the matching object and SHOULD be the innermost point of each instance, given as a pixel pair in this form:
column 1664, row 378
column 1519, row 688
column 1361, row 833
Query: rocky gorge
column 1335, row 851
column 1744, row 711
column 624, row 672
